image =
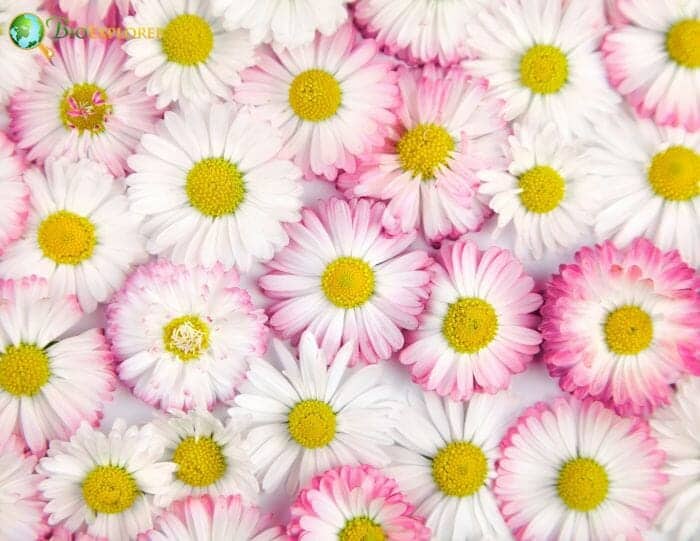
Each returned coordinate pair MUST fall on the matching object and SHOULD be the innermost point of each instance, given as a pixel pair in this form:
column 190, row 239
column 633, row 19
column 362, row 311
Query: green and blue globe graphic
column 27, row 31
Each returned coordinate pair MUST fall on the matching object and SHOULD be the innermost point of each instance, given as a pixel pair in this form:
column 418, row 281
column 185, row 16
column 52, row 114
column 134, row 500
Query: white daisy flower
column 19, row 68
column 210, row 457
column 676, row 429
column 212, row 188
column 290, row 23
column 545, row 193
column 308, row 417
column 105, row 482
column 80, row 235
column 445, row 463
column 649, row 185
column 541, row 58
column 192, row 56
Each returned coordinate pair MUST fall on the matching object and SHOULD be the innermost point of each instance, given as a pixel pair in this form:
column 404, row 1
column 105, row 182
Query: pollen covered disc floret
column 24, row 370
column 215, row 187
column 312, row 423
column 460, row 469
column 423, row 149
column 109, row 489
column 187, row 40
column 315, row 95
column 66, row 237
column 544, row 69
column 348, row 282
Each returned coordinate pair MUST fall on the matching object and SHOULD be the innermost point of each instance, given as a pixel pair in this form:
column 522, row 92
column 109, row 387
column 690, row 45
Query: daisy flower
column 419, row 31
column 85, row 105
column 105, row 482
column 183, row 334
column 448, row 130
column 478, row 328
column 346, row 280
column 622, row 325
column 210, row 457
column 572, row 469
column 445, row 463
column 541, row 58
column 213, row 519
column 192, row 56
column 355, row 502
column 95, row 12
column 653, row 59
column 307, row 417
column 19, row 68
column 212, row 188
column 20, row 505
column 80, row 235
column 14, row 204
column 649, row 185
column 331, row 99
column 545, row 193
column 290, row 23
column 49, row 383
column 675, row 428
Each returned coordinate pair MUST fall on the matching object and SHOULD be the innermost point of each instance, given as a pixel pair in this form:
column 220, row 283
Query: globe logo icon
column 27, row 31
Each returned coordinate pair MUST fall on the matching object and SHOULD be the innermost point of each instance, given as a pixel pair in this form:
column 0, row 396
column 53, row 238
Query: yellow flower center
column 460, row 469
column 187, row 40
column 312, row 424
column 200, row 461
column 84, row 107
column 315, row 95
column 109, row 489
column 66, row 238
column 683, row 43
column 674, row 174
column 582, row 484
column 24, row 370
column 628, row 330
column 542, row 189
column 186, row 337
column 215, row 187
column 361, row 529
column 544, row 69
column 348, row 282
column 470, row 325
column 424, row 149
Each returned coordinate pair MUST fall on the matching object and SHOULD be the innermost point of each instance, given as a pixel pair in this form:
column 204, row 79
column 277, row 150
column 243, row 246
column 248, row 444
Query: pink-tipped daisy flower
column 182, row 335
column 448, row 131
column 14, row 203
column 622, row 326
column 479, row 327
column 355, row 502
column 330, row 99
column 49, row 382
column 85, row 105
column 575, row 470
column 345, row 279
column 653, row 60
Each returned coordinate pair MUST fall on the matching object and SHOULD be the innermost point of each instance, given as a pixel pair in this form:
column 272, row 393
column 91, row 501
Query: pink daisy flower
column 225, row 518
column 479, row 327
column 14, row 204
column 427, row 170
column 330, row 99
column 346, row 280
column 48, row 384
column 20, row 504
column 95, row 12
column 355, row 503
column 85, row 105
column 622, row 325
column 653, row 59
column 575, row 470
column 183, row 334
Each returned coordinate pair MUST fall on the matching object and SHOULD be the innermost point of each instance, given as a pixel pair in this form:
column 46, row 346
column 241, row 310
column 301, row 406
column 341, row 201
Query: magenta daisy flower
column 330, row 99
column 183, row 334
column 355, row 503
column 204, row 518
column 427, row 171
column 85, row 105
column 575, row 470
column 653, row 59
column 622, row 325
column 345, row 279
column 14, row 203
column 479, row 327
